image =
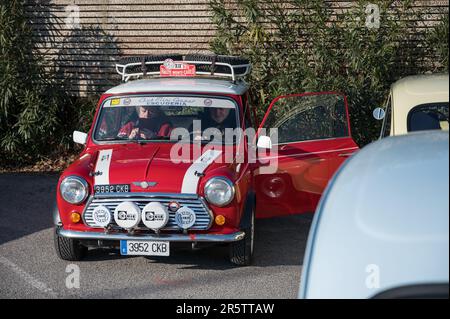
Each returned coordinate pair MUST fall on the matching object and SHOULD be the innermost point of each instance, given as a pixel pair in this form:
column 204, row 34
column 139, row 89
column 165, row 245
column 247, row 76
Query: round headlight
column 219, row 191
column 74, row 189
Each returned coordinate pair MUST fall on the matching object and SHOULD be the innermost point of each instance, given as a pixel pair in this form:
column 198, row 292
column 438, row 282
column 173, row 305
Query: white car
column 381, row 229
column 415, row 103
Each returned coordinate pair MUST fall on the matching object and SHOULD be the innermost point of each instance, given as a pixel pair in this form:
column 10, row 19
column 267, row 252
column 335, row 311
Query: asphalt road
column 29, row 267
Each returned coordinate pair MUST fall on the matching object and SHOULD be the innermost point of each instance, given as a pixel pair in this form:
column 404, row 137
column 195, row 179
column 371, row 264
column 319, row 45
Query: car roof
column 419, row 89
column 413, row 91
column 188, row 85
column 424, row 83
column 386, row 210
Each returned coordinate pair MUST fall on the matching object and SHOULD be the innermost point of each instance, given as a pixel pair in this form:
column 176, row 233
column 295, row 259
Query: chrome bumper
column 227, row 238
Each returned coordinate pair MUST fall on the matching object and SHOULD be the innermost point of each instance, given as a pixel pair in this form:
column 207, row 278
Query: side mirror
column 379, row 113
column 264, row 142
column 79, row 137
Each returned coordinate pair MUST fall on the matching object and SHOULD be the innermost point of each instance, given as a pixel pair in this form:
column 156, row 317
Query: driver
column 151, row 122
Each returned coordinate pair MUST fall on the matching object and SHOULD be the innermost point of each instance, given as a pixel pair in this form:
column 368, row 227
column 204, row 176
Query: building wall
column 84, row 51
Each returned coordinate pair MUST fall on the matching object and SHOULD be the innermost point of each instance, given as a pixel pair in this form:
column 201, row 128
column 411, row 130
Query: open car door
column 309, row 139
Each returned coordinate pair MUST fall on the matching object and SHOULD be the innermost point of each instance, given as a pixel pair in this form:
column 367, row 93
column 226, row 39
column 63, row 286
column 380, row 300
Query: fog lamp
column 220, row 220
column 75, row 217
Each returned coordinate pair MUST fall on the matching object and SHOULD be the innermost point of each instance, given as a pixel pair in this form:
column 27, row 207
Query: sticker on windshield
column 170, row 102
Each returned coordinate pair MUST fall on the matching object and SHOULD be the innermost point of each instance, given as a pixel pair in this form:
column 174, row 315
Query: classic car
column 415, row 103
column 381, row 229
column 150, row 176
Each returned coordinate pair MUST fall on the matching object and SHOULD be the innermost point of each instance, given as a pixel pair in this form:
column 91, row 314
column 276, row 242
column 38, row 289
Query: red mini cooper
column 178, row 156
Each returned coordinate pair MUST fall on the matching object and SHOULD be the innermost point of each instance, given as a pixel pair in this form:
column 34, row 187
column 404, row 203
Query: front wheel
column 69, row 249
column 241, row 252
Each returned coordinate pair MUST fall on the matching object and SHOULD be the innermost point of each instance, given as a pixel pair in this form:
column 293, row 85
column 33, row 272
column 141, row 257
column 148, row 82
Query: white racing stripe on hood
column 102, row 167
column 191, row 177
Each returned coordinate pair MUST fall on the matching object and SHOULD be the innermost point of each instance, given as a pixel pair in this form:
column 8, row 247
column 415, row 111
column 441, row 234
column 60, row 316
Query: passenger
column 219, row 118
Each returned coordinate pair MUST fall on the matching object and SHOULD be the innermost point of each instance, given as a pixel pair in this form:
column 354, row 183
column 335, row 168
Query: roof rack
column 123, row 68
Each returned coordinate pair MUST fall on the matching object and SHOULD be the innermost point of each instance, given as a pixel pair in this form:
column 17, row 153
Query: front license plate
column 115, row 188
column 144, row 248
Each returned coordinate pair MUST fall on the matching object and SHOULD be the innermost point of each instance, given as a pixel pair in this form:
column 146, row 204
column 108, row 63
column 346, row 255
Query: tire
column 233, row 60
column 69, row 249
column 148, row 58
column 241, row 252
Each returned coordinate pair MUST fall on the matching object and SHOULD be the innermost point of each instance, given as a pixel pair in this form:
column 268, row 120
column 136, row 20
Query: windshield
column 151, row 118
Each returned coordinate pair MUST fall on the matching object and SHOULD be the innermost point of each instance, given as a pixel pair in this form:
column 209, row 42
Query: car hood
column 134, row 164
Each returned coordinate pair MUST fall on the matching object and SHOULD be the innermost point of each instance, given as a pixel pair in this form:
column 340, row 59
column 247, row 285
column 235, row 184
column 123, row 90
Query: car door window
column 313, row 139
column 432, row 116
column 308, row 117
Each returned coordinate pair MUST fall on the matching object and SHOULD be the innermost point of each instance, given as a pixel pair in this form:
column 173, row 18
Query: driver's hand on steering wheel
column 143, row 134
column 133, row 133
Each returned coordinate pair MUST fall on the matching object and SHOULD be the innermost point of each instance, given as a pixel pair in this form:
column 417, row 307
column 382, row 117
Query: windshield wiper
column 158, row 138
column 146, row 141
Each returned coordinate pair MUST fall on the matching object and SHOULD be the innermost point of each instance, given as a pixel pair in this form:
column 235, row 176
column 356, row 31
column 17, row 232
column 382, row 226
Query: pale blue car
column 381, row 229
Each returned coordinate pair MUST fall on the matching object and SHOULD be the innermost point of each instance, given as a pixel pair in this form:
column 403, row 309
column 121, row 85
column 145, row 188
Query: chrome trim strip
column 345, row 154
column 211, row 215
column 88, row 203
column 312, row 153
column 147, row 195
column 317, row 140
column 227, row 238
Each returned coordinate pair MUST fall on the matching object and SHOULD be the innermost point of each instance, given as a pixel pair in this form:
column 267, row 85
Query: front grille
column 203, row 215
